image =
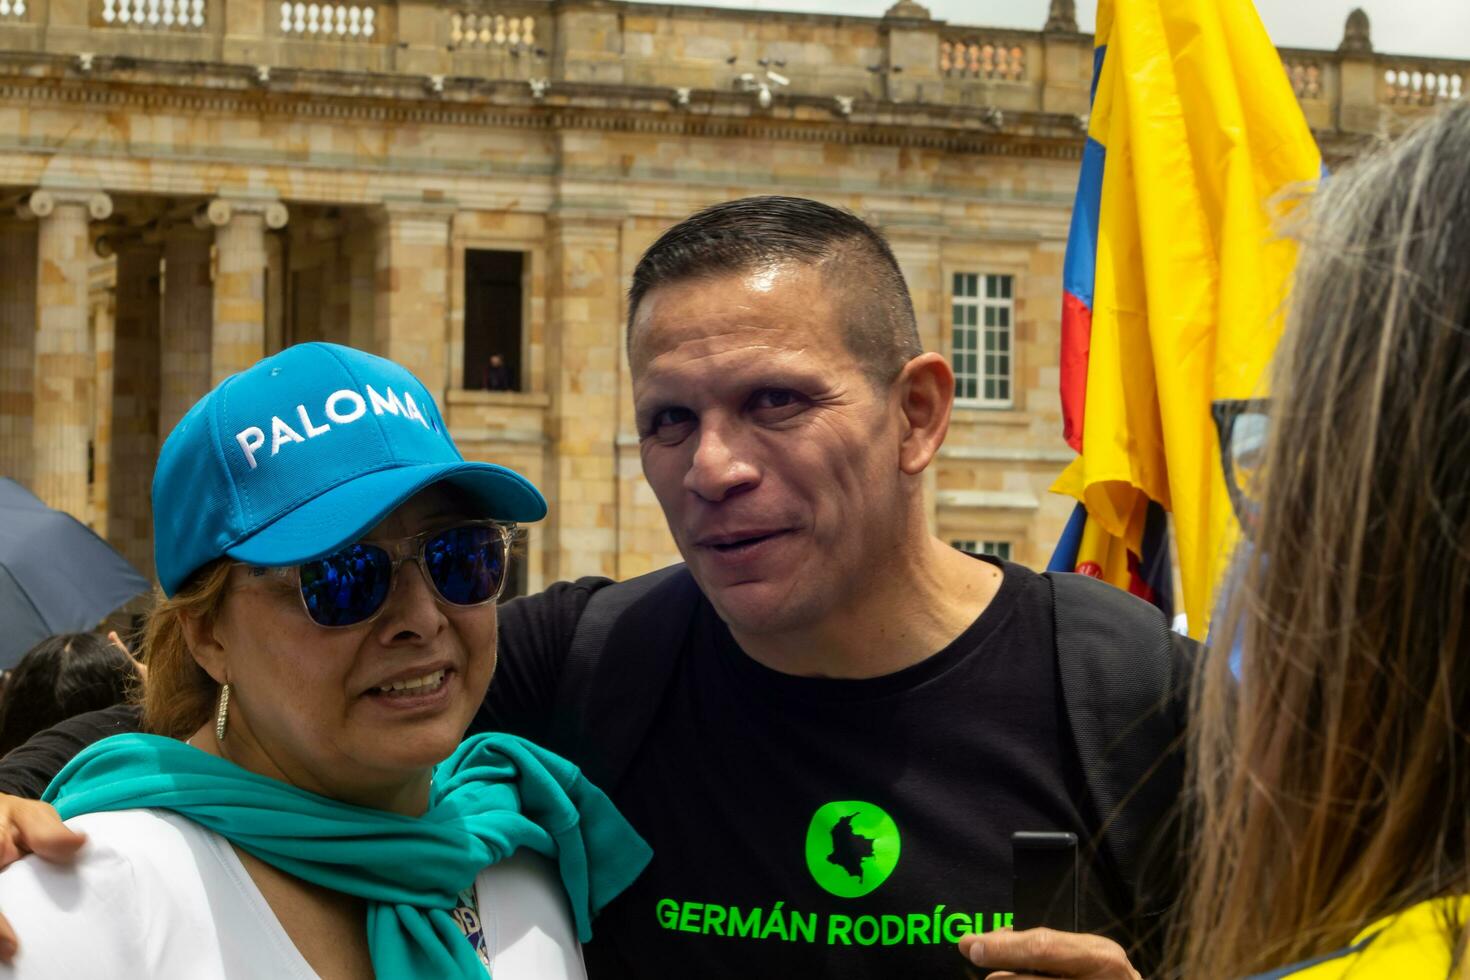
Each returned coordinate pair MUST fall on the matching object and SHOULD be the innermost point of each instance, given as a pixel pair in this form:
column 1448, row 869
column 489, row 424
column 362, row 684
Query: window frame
column 1003, row 303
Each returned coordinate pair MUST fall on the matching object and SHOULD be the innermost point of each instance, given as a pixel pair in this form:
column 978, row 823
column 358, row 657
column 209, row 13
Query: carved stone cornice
column 605, row 108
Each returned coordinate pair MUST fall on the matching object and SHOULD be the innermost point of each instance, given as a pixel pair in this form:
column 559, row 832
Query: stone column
column 240, row 281
column 63, row 354
column 17, row 346
column 411, row 285
column 135, row 400
column 188, row 316
column 584, row 344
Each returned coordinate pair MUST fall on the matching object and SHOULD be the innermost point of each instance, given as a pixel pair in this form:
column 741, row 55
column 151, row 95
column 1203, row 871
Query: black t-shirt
column 809, row 827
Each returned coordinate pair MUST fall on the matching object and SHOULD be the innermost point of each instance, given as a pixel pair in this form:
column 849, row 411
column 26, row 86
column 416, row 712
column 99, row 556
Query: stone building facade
column 189, row 185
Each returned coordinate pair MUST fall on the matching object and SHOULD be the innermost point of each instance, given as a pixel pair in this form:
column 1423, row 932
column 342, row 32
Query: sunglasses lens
column 466, row 564
column 348, row 586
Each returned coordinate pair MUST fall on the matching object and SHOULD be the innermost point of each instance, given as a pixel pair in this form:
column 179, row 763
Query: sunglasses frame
column 400, row 550
column 1225, row 412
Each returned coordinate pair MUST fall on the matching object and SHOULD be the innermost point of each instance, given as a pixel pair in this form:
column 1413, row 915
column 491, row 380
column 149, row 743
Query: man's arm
column 28, row 826
column 535, row 634
column 29, row 768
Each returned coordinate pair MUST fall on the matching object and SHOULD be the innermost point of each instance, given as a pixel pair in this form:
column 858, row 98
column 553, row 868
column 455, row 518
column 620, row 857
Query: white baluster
column 197, row 18
column 152, row 14
column 528, row 30
column 367, row 22
column 19, row 7
column 486, row 35
column 499, row 28
column 513, row 31
column 109, row 11
column 168, row 11
column 340, row 29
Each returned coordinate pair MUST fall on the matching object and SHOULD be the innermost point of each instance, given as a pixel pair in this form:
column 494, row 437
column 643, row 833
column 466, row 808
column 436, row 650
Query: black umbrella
column 56, row 575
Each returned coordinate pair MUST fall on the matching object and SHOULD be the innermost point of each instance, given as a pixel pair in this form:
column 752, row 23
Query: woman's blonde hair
column 1333, row 787
column 179, row 696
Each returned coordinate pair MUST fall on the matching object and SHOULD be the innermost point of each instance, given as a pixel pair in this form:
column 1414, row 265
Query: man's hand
column 31, row 827
column 1036, row 953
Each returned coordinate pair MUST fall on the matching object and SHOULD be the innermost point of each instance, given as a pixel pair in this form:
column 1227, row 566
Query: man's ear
column 925, row 393
column 200, row 635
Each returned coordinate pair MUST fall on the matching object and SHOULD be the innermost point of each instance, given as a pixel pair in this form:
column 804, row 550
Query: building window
column 982, row 314
column 997, row 549
column 493, row 319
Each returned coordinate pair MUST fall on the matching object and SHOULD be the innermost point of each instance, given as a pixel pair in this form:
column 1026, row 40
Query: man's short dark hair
column 878, row 317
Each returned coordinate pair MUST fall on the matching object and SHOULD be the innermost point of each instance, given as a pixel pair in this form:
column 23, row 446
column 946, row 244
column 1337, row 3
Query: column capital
column 42, row 203
column 218, row 212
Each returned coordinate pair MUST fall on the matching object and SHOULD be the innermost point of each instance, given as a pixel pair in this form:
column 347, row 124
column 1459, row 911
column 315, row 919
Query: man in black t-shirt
column 862, row 715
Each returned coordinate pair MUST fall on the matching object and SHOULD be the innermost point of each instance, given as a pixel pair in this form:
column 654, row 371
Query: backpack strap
column 1122, row 672
column 623, row 654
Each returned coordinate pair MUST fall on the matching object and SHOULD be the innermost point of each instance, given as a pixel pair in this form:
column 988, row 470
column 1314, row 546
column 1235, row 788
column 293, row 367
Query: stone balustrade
column 1419, row 82
column 485, row 31
column 156, row 15
column 972, row 56
column 12, row 10
column 1306, row 76
column 328, row 21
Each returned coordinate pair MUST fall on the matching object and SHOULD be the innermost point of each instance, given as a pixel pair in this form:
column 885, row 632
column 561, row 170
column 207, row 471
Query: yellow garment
column 1411, row 944
column 1201, row 130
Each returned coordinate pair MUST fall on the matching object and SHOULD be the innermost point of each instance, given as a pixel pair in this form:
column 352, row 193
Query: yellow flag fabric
column 1201, row 133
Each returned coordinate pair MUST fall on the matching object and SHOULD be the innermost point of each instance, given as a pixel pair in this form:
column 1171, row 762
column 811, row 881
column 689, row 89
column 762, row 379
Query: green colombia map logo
column 851, row 847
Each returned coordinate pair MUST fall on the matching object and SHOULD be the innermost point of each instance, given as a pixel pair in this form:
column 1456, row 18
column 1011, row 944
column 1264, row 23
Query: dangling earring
column 224, row 709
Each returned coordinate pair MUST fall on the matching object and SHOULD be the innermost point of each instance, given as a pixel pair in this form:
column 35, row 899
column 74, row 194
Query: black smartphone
column 1044, row 880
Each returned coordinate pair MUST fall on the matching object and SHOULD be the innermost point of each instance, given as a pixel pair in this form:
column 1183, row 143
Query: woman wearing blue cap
column 305, row 806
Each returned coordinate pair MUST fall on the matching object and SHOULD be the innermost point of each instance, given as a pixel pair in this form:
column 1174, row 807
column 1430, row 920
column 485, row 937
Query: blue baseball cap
column 301, row 455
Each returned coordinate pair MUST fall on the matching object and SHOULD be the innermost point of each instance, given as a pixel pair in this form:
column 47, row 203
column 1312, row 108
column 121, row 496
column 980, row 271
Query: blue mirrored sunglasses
column 465, row 564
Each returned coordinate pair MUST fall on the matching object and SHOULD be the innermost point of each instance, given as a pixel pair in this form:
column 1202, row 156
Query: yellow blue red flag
column 1174, row 282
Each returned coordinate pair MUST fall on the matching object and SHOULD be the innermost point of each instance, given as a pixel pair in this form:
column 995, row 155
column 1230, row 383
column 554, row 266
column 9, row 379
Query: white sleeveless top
column 153, row 894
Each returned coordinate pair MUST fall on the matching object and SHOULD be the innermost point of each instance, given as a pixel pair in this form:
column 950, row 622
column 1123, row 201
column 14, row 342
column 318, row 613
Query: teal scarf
column 494, row 795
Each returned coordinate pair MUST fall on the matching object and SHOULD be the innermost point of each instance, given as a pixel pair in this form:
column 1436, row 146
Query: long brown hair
column 179, row 696
column 1333, row 788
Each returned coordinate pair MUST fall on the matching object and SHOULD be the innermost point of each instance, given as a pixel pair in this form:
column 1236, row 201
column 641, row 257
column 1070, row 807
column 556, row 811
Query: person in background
column 301, row 804
column 497, row 375
column 60, row 677
column 1334, row 790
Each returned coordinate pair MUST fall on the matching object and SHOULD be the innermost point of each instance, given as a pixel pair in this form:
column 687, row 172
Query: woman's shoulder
column 527, row 921
column 149, row 889
column 1416, row 942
